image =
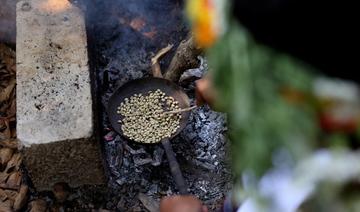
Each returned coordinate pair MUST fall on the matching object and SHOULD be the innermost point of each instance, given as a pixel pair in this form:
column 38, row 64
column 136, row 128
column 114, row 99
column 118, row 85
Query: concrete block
column 54, row 104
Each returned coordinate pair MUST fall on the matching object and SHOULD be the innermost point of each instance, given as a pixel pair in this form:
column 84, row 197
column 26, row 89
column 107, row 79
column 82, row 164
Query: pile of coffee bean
column 144, row 119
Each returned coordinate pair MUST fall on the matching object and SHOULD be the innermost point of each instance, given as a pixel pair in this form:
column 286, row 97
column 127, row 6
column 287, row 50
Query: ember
column 122, row 38
column 121, row 52
column 55, row 5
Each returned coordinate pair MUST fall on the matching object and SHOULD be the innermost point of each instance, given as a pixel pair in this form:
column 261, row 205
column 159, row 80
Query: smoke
column 8, row 21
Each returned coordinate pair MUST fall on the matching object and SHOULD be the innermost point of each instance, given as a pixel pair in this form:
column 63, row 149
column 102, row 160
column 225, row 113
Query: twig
column 165, row 112
column 181, row 110
column 155, row 66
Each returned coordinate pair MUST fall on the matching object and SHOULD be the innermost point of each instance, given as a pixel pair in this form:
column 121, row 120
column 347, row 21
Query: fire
column 55, row 5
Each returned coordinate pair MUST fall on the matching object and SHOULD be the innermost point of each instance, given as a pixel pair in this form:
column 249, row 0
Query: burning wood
column 185, row 58
column 121, row 54
column 137, row 23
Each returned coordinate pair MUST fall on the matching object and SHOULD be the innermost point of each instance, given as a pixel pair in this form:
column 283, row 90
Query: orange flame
column 55, row 5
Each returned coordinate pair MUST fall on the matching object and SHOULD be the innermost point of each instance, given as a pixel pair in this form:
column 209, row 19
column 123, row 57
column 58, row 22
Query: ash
column 200, row 150
column 120, row 51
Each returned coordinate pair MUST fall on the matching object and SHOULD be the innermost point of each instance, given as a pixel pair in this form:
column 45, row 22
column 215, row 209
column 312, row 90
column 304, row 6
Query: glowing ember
column 55, row 5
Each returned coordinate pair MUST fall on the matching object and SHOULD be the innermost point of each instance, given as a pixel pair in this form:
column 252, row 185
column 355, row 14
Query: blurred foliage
column 334, row 197
column 249, row 78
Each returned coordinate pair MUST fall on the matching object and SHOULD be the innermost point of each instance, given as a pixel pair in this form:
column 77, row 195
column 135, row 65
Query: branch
column 185, row 58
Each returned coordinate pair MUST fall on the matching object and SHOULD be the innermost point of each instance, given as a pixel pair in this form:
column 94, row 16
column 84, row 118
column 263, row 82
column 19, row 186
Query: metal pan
column 142, row 86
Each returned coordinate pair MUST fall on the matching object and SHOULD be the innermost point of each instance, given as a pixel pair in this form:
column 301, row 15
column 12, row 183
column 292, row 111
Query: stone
column 54, row 102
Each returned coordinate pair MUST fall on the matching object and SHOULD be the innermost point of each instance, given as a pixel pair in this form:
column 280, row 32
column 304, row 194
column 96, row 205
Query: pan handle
column 174, row 167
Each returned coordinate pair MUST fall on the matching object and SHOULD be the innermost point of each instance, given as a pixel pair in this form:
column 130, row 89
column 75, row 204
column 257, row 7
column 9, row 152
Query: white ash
column 191, row 75
column 206, row 129
column 200, row 150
